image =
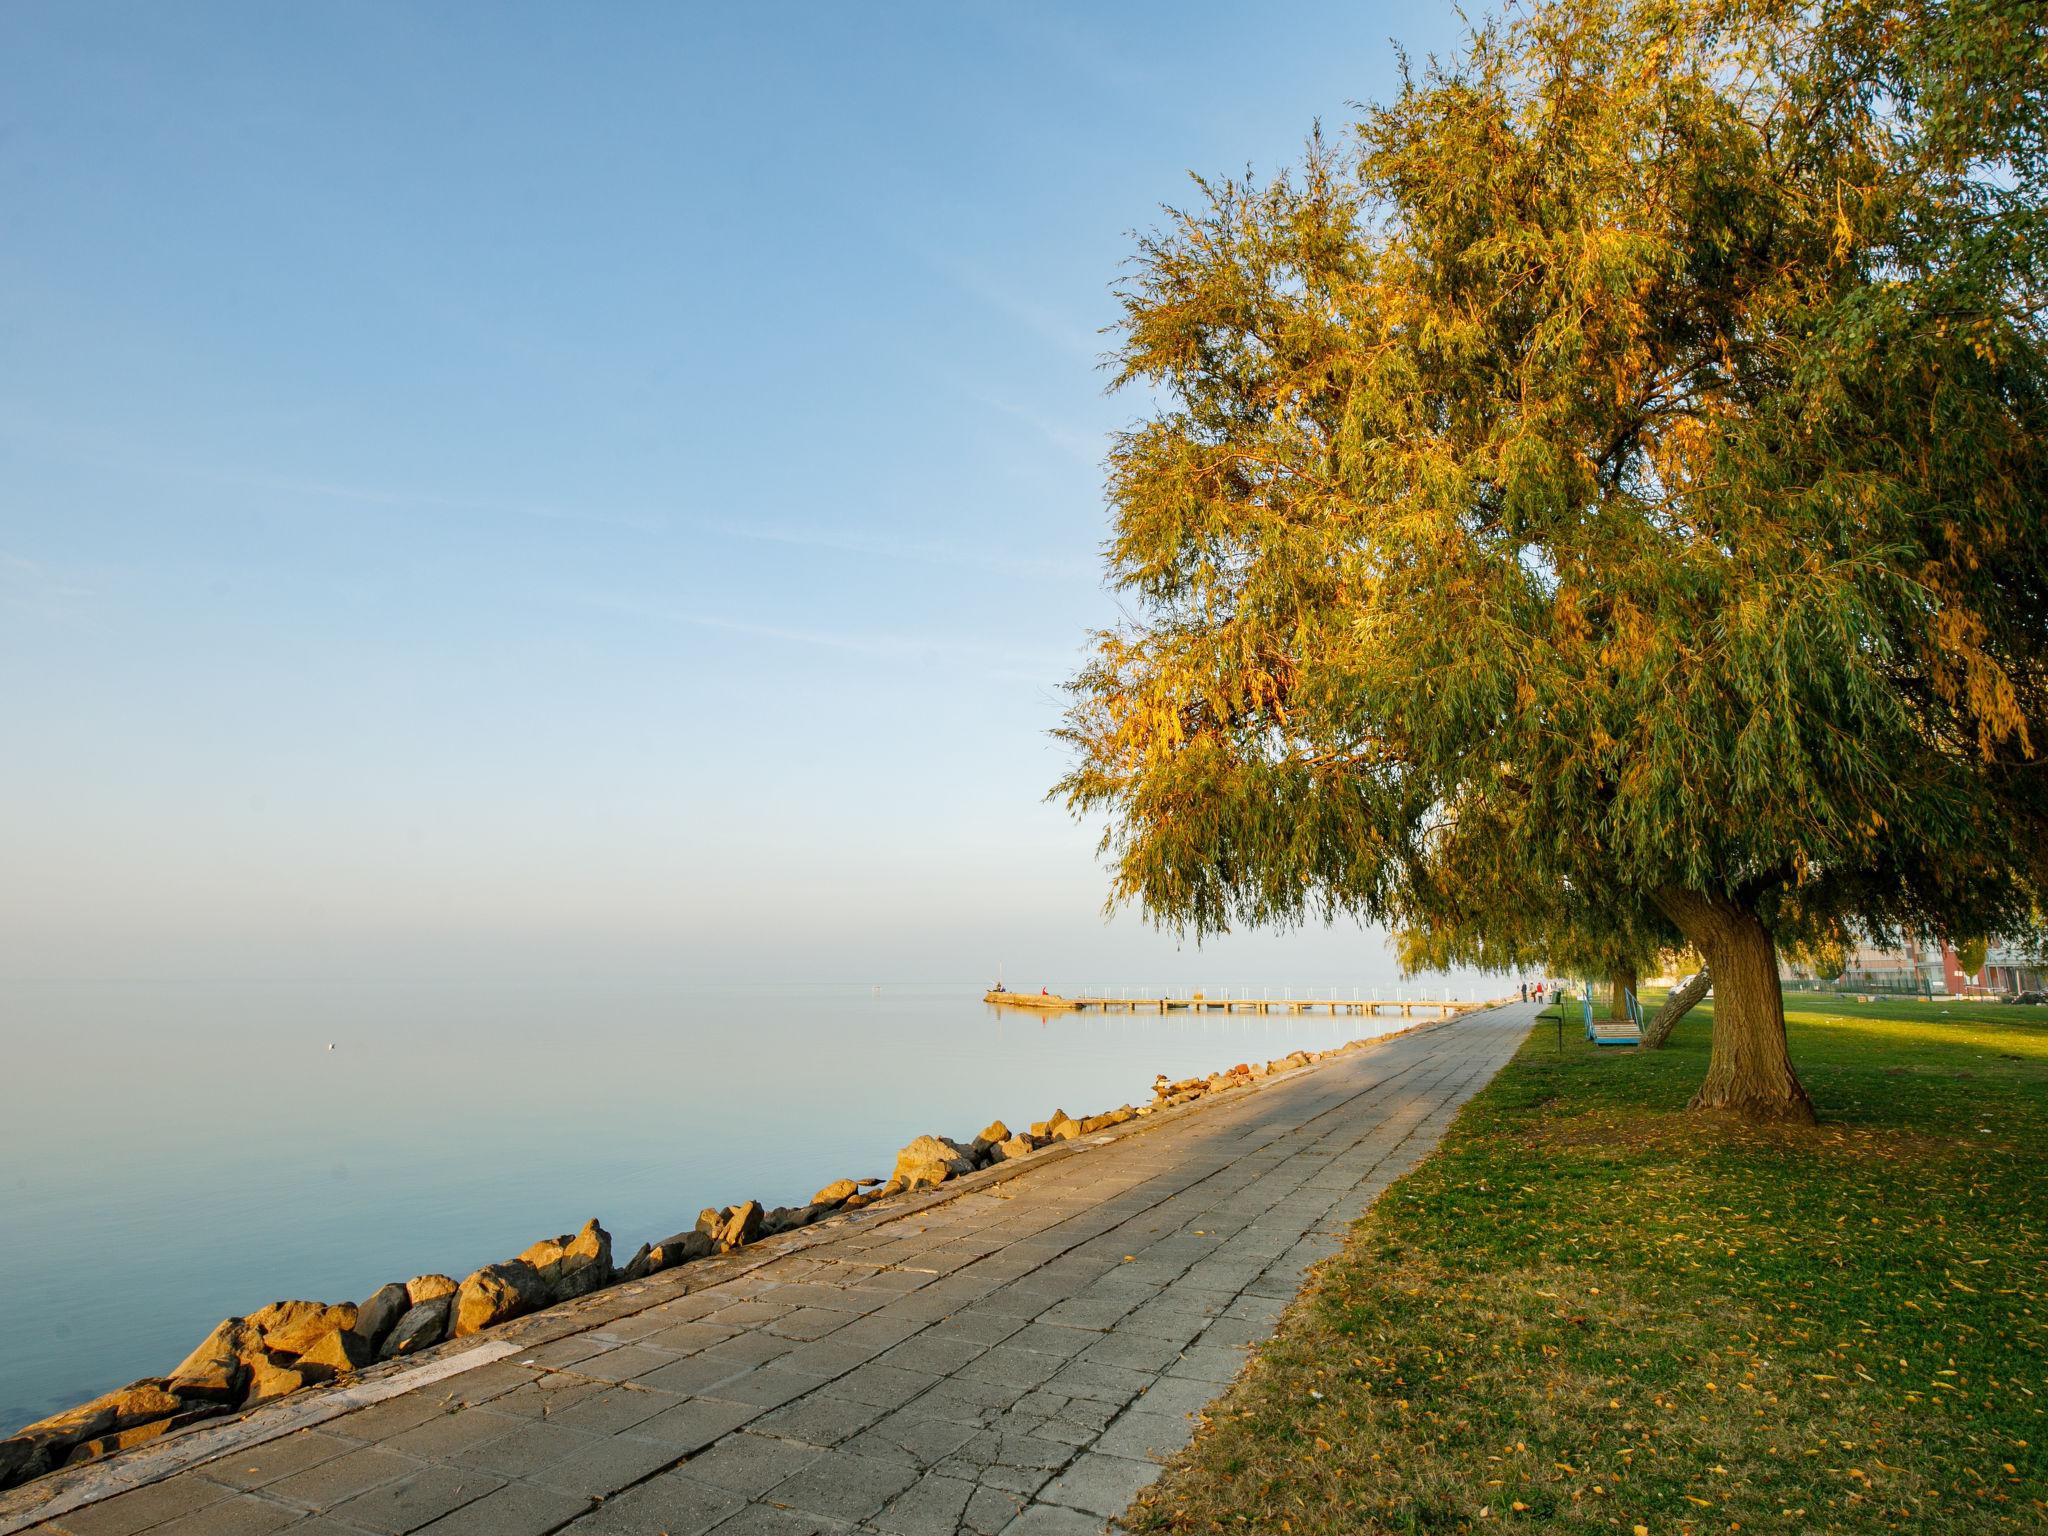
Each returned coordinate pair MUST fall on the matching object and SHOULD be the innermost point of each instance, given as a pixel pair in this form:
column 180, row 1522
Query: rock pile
column 292, row 1344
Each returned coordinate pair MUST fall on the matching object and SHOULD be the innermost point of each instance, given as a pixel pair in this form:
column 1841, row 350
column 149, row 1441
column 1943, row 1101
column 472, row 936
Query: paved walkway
column 1008, row 1358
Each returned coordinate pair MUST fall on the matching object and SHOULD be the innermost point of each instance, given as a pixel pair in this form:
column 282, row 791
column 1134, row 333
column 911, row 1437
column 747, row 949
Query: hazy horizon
column 497, row 490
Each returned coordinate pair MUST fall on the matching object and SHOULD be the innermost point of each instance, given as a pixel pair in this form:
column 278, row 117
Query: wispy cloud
column 1059, row 328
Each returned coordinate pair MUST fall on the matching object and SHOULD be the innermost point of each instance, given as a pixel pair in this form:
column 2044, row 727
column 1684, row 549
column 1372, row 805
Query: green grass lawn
column 1594, row 1311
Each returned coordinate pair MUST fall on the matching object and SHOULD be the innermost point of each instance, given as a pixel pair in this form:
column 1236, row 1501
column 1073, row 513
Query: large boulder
column 839, row 1191
column 573, row 1266
column 375, row 1316
column 996, row 1132
column 680, row 1249
column 1020, row 1145
column 217, row 1371
column 419, row 1327
column 335, row 1354
column 122, row 1409
column 22, row 1458
column 498, row 1293
column 292, row 1327
column 121, row 1440
column 1108, row 1118
column 273, row 1376
column 931, row 1160
column 428, row 1288
column 1059, row 1126
column 741, row 1225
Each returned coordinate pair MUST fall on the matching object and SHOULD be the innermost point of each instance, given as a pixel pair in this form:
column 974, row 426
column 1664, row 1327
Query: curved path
column 1008, row 1354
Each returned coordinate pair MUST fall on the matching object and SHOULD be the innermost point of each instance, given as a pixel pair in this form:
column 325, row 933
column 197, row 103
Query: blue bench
column 1628, row 1031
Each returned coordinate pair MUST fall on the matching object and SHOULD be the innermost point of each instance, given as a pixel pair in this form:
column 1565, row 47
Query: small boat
column 1051, row 1002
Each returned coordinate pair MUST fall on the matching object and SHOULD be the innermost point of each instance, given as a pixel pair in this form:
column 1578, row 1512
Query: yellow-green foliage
column 1617, row 468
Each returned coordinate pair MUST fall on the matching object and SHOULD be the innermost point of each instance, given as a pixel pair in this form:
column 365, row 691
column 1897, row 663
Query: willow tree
column 1620, row 465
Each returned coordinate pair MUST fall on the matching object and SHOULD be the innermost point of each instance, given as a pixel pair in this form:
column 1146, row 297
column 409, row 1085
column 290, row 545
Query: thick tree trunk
column 1749, row 1072
column 1657, row 1029
column 1621, row 987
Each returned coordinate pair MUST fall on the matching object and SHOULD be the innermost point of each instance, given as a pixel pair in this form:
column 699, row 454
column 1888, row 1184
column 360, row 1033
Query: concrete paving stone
column 691, row 1374
column 766, row 1520
column 979, row 1327
column 878, row 1330
column 1209, row 1362
column 1146, row 1435
column 883, row 1385
column 1104, row 1383
column 128, row 1512
column 1057, row 1339
column 819, row 1420
column 1177, row 1395
column 752, row 1312
column 1100, row 1484
column 329, row 1483
column 989, row 1510
column 632, row 1329
column 246, row 1514
column 939, row 1357
column 1054, row 1520
column 547, row 1396
column 534, row 1445
column 755, row 1347
column 453, row 1433
column 669, row 1505
column 517, row 1509
column 1017, row 1300
column 842, row 1486
column 1099, row 1313
column 807, row 1323
column 687, row 1309
column 931, row 1506
column 1258, row 1309
column 696, row 1422
column 280, row 1458
column 1178, row 1326
column 688, row 1338
column 614, row 1463
column 380, row 1421
column 966, row 1398
column 911, row 1435
column 1012, row 1443
column 833, row 1356
column 1236, row 1332
column 750, row 1464
column 627, row 1362
column 616, row 1409
column 414, row 1501
column 769, row 1386
column 1009, row 1366
column 899, row 1280
column 1133, row 1351
column 487, row 1382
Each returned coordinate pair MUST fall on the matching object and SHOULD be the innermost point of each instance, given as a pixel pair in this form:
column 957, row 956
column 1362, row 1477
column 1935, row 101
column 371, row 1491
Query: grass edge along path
column 1593, row 1311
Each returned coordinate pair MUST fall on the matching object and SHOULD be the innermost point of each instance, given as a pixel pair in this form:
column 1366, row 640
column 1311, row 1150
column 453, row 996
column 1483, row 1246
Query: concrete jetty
column 1010, row 1353
column 1201, row 1002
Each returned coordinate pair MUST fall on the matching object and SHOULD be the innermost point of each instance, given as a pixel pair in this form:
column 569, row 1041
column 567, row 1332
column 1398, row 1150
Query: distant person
column 1539, row 992
column 1525, row 991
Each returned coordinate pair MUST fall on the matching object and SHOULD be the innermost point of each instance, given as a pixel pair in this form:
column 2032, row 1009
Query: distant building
column 2009, row 969
column 1926, row 968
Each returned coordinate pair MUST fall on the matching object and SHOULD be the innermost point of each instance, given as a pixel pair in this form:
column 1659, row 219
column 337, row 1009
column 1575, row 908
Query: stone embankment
column 292, row 1344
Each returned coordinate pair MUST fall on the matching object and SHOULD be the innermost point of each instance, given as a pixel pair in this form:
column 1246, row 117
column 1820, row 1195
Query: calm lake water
column 170, row 1154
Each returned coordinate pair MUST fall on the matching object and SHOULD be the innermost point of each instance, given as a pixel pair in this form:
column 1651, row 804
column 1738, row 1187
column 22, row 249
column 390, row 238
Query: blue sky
column 566, row 486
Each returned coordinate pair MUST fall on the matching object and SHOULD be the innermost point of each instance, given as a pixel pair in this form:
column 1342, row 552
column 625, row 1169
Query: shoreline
column 290, row 1346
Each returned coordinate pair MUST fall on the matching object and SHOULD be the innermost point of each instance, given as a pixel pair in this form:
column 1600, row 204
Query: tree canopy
column 1612, row 478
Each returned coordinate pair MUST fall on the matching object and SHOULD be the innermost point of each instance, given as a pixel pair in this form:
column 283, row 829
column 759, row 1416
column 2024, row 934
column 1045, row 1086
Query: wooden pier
column 1198, row 1002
